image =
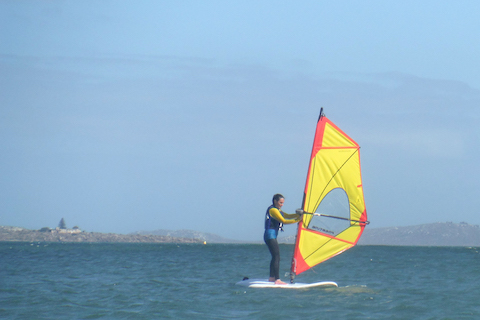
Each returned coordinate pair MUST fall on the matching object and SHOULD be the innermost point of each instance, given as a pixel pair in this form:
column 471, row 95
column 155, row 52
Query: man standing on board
column 274, row 220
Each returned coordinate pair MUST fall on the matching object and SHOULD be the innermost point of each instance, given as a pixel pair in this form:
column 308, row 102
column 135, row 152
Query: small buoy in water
column 204, row 242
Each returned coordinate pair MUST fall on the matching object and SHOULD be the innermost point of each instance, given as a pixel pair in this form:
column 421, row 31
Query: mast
column 293, row 267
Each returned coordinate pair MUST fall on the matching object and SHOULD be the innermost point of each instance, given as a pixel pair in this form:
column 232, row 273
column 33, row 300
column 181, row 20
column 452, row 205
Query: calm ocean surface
column 185, row 281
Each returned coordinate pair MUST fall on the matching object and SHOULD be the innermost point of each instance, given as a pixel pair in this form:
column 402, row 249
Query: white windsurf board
column 263, row 283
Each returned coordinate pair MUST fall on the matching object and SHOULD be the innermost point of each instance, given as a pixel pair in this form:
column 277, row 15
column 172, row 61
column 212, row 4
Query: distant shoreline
column 432, row 234
column 15, row 234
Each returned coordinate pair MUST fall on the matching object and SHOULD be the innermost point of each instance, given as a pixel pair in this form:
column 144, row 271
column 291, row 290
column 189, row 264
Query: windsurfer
column 275, row 218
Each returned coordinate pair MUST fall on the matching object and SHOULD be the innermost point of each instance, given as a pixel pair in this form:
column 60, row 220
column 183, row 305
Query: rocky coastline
column 55, row 235
column 433, row 234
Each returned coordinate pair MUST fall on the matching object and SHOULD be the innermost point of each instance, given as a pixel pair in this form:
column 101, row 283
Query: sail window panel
column 335, row 204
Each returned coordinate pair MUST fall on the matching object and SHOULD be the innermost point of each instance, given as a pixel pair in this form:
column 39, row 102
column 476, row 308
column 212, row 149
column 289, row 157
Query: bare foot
column 271, row 279
column 278, row 281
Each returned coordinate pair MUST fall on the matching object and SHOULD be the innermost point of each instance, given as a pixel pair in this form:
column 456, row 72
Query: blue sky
column 144, row 115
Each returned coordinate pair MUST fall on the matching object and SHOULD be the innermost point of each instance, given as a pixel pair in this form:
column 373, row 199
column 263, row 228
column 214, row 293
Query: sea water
column 196, row 281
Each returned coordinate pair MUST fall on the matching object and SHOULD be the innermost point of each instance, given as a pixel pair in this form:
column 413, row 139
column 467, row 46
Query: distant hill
column 189, row 234
column 432, row 234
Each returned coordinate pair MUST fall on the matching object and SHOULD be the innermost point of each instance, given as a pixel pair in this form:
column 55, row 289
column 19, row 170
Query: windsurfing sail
column 333, row 202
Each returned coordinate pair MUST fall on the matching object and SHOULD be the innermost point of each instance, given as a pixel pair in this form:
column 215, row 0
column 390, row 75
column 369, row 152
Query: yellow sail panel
column 327, row 163
column 333, row 199
column 335, row 138
column 316, row 248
